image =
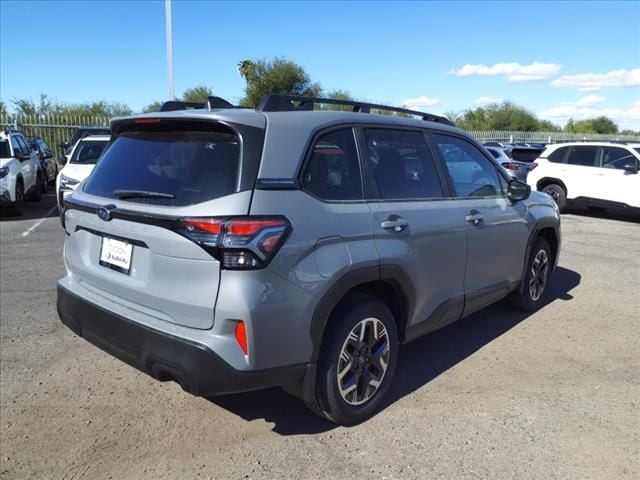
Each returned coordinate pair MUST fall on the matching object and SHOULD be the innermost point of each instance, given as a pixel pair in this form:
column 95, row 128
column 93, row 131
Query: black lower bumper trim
column 194, row 366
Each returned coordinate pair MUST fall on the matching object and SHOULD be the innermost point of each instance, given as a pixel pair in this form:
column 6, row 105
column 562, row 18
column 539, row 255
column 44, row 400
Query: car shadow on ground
column 33, row 210
column 420, row 362
column 623, row 214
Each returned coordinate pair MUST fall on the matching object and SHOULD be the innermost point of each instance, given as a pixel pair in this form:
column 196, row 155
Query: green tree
column 498, row 116
column 198, row 94
column 152, row 107
column 604, row 124
column 547, row 126
column 274, row 76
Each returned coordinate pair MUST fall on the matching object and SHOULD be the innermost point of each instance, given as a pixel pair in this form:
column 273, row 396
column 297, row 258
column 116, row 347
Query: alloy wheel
column 363, row 361
column 539, row 274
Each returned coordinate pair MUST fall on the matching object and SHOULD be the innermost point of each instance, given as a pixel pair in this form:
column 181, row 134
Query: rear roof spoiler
column 210, row 104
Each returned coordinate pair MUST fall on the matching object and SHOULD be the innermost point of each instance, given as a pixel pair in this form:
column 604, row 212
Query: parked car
column 526, row 152
column 82, row 161
column 80, row 132
column 514, row 168
column 20, row 176
column 598, row 175
column 235, row 249
column 48, row 164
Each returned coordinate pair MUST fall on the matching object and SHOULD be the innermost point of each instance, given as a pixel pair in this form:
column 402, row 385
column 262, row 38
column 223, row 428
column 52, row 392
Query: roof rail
column 591, row 140
column 293, row 103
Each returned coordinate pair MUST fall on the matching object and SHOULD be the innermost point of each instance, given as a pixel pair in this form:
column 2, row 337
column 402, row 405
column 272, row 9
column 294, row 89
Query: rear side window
column 179, row 167
column 88, row 152
column 472, row 174
column 402, row 164
column 333, row 171
column 584, row 156
column 557, row 156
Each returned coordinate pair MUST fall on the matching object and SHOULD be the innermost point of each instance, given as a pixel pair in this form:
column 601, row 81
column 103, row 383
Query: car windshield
column 4, row 149
column 88, row 152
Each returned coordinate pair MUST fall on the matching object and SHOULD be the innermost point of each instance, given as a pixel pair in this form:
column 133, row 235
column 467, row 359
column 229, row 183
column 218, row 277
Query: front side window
column 172, row 167
column 333, row 171
column 88, row 152
column 584, row 156
column 402, row 164
column 472, row 174
column 4, row 149
column 615, row 157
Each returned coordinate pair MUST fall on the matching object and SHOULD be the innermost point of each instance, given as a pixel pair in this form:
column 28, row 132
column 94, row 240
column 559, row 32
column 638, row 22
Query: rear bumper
column 197, row 369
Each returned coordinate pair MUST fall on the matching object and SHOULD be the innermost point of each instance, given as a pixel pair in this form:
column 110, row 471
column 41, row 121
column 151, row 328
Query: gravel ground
column 500, row 394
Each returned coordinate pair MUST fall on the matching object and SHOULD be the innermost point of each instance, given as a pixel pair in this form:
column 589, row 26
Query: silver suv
column 234, row 249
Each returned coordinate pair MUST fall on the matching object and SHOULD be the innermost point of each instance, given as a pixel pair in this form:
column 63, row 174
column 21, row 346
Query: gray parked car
column 516, row 169
column 234, row 249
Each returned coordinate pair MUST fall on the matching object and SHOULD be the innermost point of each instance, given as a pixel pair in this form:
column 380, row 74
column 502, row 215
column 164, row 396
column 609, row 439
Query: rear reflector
column 241, row 336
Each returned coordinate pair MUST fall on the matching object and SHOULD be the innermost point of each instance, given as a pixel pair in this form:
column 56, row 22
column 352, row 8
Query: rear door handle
column 474, row 217
column 397, row 224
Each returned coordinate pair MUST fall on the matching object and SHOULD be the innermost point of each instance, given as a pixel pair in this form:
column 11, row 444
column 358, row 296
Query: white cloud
column 590, row 100
column 513, row 72
column 590, row 82
column 421, row 101
column 487, row 100
column 624, row 117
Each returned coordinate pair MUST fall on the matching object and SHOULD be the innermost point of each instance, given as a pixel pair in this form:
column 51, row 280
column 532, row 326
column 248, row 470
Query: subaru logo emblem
column 104, row 213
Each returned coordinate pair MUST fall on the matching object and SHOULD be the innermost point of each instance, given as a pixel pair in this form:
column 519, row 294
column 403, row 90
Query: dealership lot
column 501, row 394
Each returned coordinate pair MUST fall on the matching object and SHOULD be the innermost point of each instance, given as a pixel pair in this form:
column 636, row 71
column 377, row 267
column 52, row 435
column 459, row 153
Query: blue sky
column 560, row 60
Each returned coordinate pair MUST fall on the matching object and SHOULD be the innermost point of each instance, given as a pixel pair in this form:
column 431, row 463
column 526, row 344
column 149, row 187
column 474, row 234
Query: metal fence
column 54, row 129
column 58, row 128
column 546, row 137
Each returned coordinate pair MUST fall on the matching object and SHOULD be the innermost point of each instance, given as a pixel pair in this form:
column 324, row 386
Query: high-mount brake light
column 146, row 120
column 240, row 243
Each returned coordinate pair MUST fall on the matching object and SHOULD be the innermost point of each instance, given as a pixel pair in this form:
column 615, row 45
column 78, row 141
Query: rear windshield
column 525, row 155
column 4, row 149
column 173, row 167
column 88, row 152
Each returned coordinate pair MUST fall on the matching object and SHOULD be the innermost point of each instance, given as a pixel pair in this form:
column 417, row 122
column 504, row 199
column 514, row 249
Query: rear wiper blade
column 123, row 194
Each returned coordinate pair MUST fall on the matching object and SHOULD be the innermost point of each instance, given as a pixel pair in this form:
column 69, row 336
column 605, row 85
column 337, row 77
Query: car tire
column 357, row 360
column 530, row 295
column 36, row 195
column 17, row 208
column 558, row 194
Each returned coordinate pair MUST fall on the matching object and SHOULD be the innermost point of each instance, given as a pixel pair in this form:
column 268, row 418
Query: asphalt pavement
column 499, row 395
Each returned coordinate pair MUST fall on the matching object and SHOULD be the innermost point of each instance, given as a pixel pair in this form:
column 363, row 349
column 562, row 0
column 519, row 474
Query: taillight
column 532, row 165
column 511, row 166
column 240, row 243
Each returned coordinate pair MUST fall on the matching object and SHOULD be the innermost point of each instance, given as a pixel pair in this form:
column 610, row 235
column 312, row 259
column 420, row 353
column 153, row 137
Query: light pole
column 167, row 15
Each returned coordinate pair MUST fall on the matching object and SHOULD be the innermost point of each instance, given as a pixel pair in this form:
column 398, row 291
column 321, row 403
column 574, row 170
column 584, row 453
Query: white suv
column 81, row 162
column 595, row 174
column 20, row 175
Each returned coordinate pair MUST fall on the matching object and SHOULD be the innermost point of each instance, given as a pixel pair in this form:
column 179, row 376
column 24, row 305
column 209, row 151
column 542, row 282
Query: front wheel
column 531, row 294
column 357, row 361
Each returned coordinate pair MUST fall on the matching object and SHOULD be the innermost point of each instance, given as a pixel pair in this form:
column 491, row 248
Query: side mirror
column 518, row 191
column 631, row 168
column 23, row 157
column 63, row 145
